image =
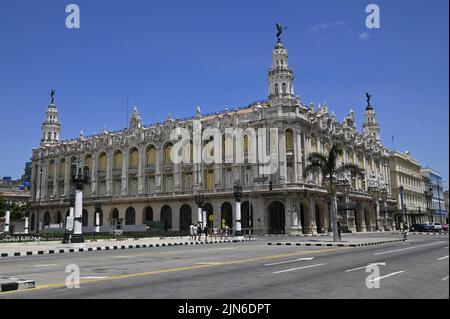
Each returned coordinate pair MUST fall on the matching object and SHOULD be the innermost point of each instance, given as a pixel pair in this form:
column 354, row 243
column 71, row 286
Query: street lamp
column 8, row 207
column 200, row 200
column 27, row 218
column 79, row 181
column 98, row 209
column 237, row 192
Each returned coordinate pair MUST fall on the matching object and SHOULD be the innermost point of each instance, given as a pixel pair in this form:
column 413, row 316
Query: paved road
column 415, row 269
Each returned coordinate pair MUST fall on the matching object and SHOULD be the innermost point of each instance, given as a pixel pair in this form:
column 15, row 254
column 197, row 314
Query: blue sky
column 170, row 56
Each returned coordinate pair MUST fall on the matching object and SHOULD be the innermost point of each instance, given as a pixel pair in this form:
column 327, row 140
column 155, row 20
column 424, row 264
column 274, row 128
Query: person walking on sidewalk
column 339, row 230
column 191, row 232
column 199, row 231
column 206, row 231
column 405, row 232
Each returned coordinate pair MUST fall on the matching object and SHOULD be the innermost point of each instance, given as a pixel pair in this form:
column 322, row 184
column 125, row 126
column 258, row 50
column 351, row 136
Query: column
column 158, row 165
column 298, row 171
column 312, row 217
column 109, row 168
column 125, row 160
column 94, row 174
column 141, row 170
column 7, row 220
column 77, row 228
column 238, row 232
column 27, row 223
column 282, row 158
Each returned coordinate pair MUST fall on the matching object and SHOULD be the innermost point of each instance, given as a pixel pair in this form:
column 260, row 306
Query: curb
column 335, row 244
column 114, row 247
column 11, row 284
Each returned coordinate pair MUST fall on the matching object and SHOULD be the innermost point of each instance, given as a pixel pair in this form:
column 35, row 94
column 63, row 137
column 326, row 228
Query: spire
column 281, row 76
column 135, row 119
column 51, row 127
column 370, row 125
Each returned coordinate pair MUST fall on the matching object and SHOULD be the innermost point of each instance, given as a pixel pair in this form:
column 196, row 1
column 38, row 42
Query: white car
column 437, row 226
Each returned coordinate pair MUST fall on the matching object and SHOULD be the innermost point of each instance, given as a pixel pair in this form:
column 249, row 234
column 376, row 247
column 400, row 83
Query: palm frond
column 349, row 167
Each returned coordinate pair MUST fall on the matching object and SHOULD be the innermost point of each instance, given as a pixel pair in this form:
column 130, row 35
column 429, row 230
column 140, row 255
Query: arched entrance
column 130, row 216
column 226, row 213
column 276, row 212
column 302, row 220
column 148, row 215
column 85, row 218
column 246, row 215
column 209, row 211
column 46, row 219
column 185, row 217
column 166, row 217
column 320, row 214
column 32, row 222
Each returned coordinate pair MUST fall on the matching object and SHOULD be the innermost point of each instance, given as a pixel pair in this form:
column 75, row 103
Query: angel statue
column 368, row 98
column 280, row 30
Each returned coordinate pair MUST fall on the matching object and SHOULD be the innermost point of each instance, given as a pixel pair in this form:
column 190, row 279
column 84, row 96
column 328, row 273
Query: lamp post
column 27, row 218
column 200, row 200
column 79, row 181
column 237, row 192
column 8, row 207
column 98, row 209
column 401, row 188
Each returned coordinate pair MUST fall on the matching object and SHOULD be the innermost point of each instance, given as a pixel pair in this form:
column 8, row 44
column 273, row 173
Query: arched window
column 185, row 217
column 289, row 140
column 51, row 169
column 88, row 162
column 151, row 156
column 276, row 88
column 246, row 145
column 62, row 168
column 46, row 219
column 115, row 214
column 130, row 216
column 134, row 158
column 167, row 151
column 117, row 161
column 102, row 162
column 49, row 136
column 283, row 87
column 209, row 178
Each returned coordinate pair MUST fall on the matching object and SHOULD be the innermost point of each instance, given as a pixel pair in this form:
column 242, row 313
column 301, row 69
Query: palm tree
column 327, row 164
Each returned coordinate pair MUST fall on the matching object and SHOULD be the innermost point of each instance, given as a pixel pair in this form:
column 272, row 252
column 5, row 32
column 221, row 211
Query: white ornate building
column 133, row 177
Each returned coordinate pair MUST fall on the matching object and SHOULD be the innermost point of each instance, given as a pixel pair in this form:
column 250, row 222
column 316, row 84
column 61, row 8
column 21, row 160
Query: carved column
column 141, row 170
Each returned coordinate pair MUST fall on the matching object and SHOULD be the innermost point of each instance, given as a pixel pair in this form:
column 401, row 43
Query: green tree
column 328, row 165
column 2, row 207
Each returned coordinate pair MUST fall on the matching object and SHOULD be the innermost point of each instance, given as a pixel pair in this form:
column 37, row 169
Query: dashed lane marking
column 383, row 277
column 294, row 269
column 408, row 248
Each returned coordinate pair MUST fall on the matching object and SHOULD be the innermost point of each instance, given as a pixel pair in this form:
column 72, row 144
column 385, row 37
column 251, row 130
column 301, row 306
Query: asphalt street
column 417, row 268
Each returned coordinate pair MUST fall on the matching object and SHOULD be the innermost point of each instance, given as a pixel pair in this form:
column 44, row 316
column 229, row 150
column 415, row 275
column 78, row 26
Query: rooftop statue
column 280, row 30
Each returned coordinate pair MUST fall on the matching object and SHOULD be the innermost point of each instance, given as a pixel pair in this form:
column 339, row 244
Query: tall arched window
column 117, row 161
column 88, row 162
column 134, row 158
column 151, row 156
column 62, row 168
column 130, row 216
column 167, row 151
column 102, row 162
column 283, row 87
column 166, row 216
column 289, row 140
column 276, row 88
column 148, row 215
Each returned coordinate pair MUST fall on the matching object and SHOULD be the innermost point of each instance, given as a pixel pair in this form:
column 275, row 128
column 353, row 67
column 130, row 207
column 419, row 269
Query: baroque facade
column 134, row 178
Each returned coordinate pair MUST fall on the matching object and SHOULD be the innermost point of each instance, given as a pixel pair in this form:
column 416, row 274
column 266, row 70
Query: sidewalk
column 56, row 247
column 346, row 242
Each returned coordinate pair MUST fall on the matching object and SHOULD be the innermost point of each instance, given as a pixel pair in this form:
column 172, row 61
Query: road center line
column 408, row 248
column 443, row 258
column 293, row 269
column 289, row 261
column 444, row 279
column 382, row 277
column 364, row 267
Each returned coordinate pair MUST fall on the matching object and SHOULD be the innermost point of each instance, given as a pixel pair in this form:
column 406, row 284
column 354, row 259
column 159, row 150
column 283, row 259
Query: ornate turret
column 135, row 119
column 370, row 125
column 281, row 76
column 51, row 127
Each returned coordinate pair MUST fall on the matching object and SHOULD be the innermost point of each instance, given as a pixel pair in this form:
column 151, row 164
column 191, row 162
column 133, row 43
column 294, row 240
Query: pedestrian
column 405, row 232
column 215, row 231
column 195, row 232
column 191, row 232
column 227, row 230
column 339, row 230
column 206, row 231
column 221, row 233
column 199, row 231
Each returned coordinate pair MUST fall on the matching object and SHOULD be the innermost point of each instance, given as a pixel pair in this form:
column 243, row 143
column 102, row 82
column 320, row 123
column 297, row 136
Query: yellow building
column 407, row 180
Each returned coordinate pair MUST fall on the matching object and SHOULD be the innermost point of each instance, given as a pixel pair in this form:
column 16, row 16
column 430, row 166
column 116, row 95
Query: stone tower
column 370, row 125
column 281, row 78
column 135, row 119
column 51, row 127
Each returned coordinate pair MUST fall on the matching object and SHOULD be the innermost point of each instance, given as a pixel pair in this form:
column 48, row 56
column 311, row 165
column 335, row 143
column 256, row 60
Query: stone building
column 406, row 178
column 133, row 176
column 435, row 186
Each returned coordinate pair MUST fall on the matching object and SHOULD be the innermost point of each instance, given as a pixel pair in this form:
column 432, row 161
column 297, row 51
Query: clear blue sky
column 173, row 55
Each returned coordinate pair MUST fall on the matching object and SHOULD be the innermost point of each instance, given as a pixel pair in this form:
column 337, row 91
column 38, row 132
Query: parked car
column 445, row 227
column 422, row 228
column 437, row 227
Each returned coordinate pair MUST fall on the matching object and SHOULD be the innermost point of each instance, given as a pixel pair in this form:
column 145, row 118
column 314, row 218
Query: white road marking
column 382, row 277
column 289, row 261
column 93, row 277
column 443, row 258
column 364, row 267
column 446, row 247
column 408, row 248
column 293, row 269
column 226, row 248
column 48, row 265
column 208, row 263
column 444, row 279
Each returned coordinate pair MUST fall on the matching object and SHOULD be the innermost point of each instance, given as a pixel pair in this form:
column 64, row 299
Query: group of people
column 196, row 231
